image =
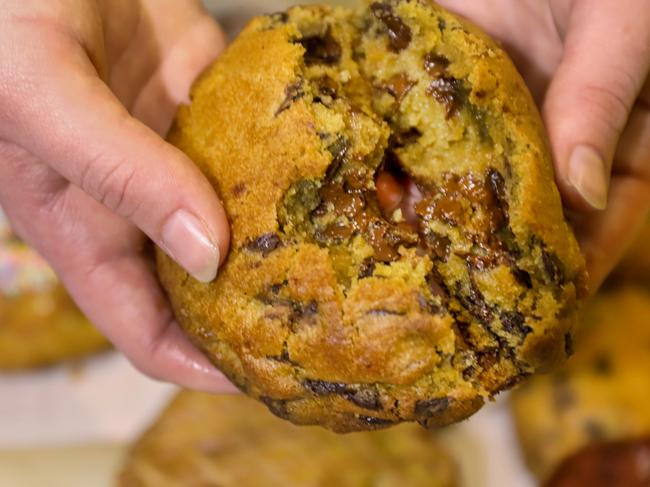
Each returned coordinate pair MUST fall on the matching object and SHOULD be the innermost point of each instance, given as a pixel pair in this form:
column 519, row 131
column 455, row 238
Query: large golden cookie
column 331, row 311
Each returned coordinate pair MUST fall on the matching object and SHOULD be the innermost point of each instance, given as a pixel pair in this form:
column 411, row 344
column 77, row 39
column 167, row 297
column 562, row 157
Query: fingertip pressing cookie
column 339, row 306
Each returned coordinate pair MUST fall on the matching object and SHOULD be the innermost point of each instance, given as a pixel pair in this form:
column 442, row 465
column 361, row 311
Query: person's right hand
column 86, row 90
column 586, row 63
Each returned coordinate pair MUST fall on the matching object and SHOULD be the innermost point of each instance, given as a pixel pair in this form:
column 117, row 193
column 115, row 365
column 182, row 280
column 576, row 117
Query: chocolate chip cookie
column 203, row 440
column 602, row 394
column 616, row 464
column 39, row 323
column 334, row 306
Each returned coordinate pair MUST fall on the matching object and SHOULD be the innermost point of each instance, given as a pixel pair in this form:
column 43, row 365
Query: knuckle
column 111, row 182
column 608, row 102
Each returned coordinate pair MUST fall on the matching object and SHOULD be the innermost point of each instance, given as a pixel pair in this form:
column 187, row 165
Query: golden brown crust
column 313, row 309
column 203, row 440
column 602, row 394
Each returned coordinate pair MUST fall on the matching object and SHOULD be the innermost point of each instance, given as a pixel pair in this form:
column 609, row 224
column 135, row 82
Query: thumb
column 77, row 126
column 605, row 63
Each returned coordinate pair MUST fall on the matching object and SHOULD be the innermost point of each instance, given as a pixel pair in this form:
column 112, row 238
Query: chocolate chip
column 327, row 87
column 442, row 24
column 398, row 86
column 372, row 421
column 265, row 244
column 435, row 64
column 402, row 139
column 431, row 407
column 292, row 92
column 440, row 245
column 436, row 285
column 367, row 268
column 522, row 277
column 553, row 267
column 515, row 322
column 284, row 357
column 276, row 406
column 399, row 34
column 339, row 151
column 322, row 49
column 569, row 349
column 497, row 184
column 279, row 17
column 363, row 396
column 447, row 91
column 475, row 303
column 324, row 388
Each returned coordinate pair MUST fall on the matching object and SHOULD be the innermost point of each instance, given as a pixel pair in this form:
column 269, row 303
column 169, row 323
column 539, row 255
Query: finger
column 605, row 236
column 603, row 68
column 70, row 119
column 101, row 260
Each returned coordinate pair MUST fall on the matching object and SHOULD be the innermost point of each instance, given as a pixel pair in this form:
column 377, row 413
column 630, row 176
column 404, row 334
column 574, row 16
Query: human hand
column 587, row 65
column 86, row 89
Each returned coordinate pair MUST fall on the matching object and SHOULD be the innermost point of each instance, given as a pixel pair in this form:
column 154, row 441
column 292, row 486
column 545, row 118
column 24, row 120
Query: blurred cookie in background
column 616, row 464
column 39, row 323
column 601, row 395
column 203, row 440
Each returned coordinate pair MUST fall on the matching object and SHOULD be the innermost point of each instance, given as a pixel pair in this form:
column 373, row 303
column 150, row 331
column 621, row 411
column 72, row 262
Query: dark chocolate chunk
column 366, row 398
column 322, row 49
column 265, row 244
column 363, row 396
column 238, row 189
column 522, row 277
column 367, row 268
column 475, row 303
column 553, row 267
column 372, row 421
column 280, row 17
column 447, row 91
column 569, row 349
column 498, row 186
column 324, row 388
column 276, row 406
column 515, row 322
column 398, row 86
column 435, row 64
column 402, row 139
column 292, row 92
column 432, row 407
column 399, row 34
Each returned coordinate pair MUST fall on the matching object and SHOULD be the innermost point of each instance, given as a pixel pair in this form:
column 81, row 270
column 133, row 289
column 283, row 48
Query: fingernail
column 186, row 241
column 588, row 175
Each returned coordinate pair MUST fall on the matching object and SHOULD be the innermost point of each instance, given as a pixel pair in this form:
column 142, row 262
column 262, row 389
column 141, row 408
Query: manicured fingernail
column 588, row 175
column 186, row 241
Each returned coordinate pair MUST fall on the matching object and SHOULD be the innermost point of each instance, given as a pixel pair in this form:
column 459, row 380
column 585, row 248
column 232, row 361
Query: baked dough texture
column 203, row 440
column 603, row 392
column 331, row 311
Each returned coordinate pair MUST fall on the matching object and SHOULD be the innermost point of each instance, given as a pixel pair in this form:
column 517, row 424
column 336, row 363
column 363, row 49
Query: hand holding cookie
column 588, row 67
column 85, row 90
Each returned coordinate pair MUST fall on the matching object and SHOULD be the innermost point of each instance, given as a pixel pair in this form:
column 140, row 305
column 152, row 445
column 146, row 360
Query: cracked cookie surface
column 331, row 309
column 203, row 440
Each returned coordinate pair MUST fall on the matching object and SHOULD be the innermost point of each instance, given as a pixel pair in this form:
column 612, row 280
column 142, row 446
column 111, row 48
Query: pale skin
column 88, row 88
